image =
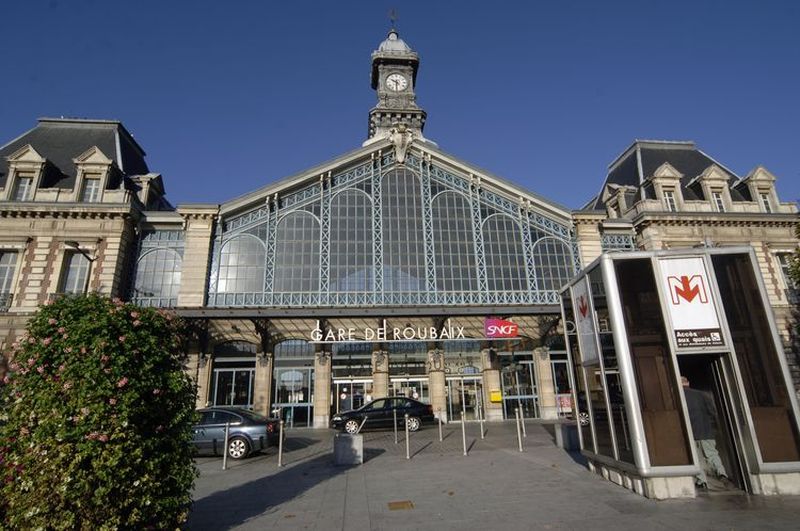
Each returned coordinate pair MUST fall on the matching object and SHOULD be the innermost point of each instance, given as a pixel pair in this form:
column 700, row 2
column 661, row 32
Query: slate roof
column 638, row 163
column 59, row 140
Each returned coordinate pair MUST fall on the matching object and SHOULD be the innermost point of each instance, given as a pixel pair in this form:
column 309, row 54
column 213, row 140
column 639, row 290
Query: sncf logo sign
column 498, row 328
column 684, row 289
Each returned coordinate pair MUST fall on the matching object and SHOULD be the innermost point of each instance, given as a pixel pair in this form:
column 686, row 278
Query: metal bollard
column 225, row 447
column 440, row 425
column 464, row 432
column 408, row 448
column 482, row 432
column 280, row 444
column 394, row 416
column 519, row 431
column 522, row 422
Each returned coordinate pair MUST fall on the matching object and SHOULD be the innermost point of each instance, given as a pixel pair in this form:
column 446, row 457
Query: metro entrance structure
column 680, row 376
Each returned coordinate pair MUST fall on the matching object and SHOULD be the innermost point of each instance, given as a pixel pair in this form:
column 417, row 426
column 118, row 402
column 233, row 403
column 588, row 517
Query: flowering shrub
column 97, row 418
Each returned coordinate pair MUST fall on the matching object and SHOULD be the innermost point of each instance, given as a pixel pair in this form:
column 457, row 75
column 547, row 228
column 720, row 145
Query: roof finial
column 393, row 17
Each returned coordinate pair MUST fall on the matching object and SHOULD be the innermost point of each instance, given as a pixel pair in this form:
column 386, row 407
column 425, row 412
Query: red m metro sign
column 692, row 312
column 498, row 328
column 686, row 288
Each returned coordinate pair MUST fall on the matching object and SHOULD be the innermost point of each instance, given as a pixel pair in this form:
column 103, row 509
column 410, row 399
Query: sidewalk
column 494, row 487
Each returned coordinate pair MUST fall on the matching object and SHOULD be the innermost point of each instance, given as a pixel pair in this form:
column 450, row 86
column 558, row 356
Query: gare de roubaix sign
column 493, row 329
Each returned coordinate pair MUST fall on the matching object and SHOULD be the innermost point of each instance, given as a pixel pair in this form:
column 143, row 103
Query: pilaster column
column 322, row 389
column 262, row 384
column 545, row 387
column 491, row 382
column 204, row 372
column 380, row 374
column 436, row 383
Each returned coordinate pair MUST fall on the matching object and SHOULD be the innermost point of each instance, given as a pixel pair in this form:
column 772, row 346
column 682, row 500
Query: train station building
column 395, row 269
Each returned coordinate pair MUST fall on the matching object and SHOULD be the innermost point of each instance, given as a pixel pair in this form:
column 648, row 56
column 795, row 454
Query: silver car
column 249, row 431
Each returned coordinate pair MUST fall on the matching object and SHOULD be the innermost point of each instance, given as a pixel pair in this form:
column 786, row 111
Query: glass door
column 416, row 388
column 350, row 394
column 519, row 390
column 464, row 394
column 233, row 387
column 293, row 400
column 562, row 385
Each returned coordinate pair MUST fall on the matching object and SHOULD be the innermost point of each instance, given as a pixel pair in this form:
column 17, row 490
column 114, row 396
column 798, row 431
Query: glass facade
column 157, row 275
column 385, row 234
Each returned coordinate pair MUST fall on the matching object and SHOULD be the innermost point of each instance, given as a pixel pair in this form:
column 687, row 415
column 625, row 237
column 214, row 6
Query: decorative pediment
column 760, row 175
column 93, row 155
column 26, row 154
column 714, row 173
column 667, row 171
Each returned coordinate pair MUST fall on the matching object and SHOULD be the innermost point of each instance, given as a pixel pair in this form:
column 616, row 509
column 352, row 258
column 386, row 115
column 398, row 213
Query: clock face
column 396, row 82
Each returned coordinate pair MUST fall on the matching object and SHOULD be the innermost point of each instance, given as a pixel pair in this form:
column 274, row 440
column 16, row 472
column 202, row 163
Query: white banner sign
column 691, row 304
column 584, row 320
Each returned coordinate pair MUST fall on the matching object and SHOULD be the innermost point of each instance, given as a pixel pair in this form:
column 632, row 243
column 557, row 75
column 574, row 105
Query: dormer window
column 766, row 204
column 718, row 201
column 669, row 200
column 23, row 188
column 91, row 189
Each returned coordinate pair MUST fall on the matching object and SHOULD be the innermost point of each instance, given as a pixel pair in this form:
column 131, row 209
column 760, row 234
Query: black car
column 380, row 414
column 249, row 431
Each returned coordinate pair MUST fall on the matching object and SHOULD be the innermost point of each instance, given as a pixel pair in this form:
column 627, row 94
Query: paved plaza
column 493, row 487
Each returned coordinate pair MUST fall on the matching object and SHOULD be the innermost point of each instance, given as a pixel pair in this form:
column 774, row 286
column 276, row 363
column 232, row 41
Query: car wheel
column 351, row 426
column 413, row 423
column 238, row 448
column 583, row 418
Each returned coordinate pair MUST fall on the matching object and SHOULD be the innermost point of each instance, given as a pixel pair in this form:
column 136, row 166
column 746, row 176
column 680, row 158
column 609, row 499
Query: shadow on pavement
column 236, row 505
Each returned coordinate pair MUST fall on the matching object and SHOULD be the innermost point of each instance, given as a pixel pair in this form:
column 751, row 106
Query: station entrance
column 706, row 387
column 464, row 393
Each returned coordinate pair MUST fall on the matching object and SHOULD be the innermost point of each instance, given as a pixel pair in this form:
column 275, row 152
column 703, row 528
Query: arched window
column 505, row 257
column 403, row 233
column 351, row 242
column 454, row 245
column 297, row 253
column 552, row 259
column 158, row 278
column 241, row 266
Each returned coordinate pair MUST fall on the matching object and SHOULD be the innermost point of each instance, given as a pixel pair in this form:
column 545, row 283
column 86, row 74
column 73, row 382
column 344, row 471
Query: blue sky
column 229, row 96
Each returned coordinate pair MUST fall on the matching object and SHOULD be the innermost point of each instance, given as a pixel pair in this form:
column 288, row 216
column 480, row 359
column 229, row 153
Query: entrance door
column 350, row 394
column 233, row 387
column 519, row 390
column 464, row 394
column 293, row 400
column 416, row 388
column 706, row 388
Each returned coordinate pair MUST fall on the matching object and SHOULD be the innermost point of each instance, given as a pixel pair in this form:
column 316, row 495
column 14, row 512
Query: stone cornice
column 198, row 212
column 42, row 210
column 679, row 219
column 588, row 217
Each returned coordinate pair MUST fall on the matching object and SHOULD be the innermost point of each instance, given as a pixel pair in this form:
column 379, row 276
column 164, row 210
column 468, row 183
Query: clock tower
column 394, row 76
